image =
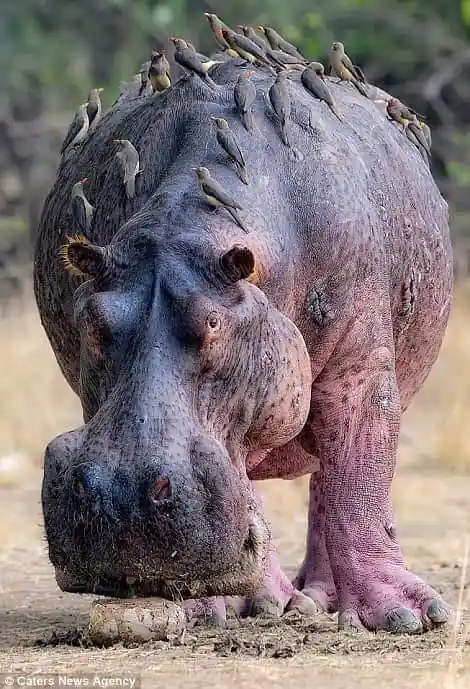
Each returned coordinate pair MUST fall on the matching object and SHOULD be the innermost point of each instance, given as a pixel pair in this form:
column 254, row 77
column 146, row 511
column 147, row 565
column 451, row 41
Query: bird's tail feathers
column 130, row 187
column 248, row 121
column 237, row 218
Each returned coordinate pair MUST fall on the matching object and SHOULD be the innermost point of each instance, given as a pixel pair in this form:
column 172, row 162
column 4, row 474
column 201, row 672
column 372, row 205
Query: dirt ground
column 39, row 625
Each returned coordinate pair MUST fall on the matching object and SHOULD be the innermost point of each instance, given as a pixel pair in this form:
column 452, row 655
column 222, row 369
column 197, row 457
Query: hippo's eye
column 213, row 321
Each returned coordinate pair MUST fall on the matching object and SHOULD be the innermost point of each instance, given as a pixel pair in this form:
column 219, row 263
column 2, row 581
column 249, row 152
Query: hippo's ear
column 238, row 263
column 81, row 257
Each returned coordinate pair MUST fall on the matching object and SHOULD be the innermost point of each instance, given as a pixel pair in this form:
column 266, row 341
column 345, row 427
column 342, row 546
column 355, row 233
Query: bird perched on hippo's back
column 249, row 51
column 187, row 58
column 217, row 25
column 130, row 165
column 401, row 113
column 277, row 42
column 250, row 33
column 217, row 197
column 245, row 95
column 77, row 131
column 94, row 108
column 341, row 66
column 314, row 81
column 229, row 143
column 280, row 100
column 146, row 88
column 80, row 208
column 159, row 71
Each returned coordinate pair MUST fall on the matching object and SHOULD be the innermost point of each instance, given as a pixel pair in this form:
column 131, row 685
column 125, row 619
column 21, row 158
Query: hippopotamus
column 208, row 358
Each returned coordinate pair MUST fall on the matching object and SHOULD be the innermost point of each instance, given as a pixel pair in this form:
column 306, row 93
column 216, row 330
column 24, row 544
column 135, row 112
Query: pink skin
column 353, row 563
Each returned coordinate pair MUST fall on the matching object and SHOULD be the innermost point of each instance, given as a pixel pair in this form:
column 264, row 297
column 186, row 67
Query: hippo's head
column 185, row 368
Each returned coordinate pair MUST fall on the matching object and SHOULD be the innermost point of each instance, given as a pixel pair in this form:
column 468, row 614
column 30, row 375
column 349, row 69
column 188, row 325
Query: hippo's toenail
column 438, row 612
column 402, row 621
column 162, row 489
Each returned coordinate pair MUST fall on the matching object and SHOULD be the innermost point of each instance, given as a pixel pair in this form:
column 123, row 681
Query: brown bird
column 228, row 141
column 187, row 58
column 343, row 68
column 250, row 33
column 289, row 61
column 277, row 42
column 401, row 113
column 279, row 97
column 130, row 165
column 313, row 80
column 415, row 128
column 145, row 84
column 78, row 129
column 248, row 50
column 217, row 25
column 427, row 133
column 410, row 134
column 159, row 71
column 80, row 208
column 216, row 196
column 205, row 61
column 356, row 71
column 94, row 108
column 245, row 95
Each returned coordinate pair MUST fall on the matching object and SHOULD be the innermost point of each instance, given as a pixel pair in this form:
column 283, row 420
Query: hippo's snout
column 120, row 496
column 183, row 523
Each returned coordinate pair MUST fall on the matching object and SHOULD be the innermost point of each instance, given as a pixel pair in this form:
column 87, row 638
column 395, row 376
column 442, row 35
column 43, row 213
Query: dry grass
column 35, row 401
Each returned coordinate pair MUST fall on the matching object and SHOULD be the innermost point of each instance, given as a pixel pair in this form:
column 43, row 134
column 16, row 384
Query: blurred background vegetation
column 53, row 51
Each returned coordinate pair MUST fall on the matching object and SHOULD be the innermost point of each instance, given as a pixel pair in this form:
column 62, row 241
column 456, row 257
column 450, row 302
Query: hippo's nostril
column 161, row 489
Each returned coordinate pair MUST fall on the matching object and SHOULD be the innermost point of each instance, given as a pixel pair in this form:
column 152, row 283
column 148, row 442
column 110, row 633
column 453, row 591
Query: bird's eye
column 213, row 321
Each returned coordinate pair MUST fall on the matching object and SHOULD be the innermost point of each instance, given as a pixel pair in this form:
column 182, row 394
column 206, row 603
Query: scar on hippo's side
column 82, row 258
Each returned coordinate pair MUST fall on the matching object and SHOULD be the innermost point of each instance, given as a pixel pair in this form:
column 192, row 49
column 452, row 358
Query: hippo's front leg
column 355, row 424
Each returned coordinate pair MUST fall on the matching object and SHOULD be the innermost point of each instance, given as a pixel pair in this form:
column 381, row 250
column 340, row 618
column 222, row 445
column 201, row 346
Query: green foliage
column 61, row 48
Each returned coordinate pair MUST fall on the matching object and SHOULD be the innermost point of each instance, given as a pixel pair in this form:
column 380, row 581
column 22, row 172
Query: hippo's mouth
column 241, row 580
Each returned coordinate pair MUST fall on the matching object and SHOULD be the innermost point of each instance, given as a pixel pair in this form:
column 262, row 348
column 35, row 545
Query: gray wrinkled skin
column 351, row 241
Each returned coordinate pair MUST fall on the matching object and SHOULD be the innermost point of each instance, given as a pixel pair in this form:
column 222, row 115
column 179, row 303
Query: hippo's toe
column 209, row 612
column 436, row 613
column 402, row 621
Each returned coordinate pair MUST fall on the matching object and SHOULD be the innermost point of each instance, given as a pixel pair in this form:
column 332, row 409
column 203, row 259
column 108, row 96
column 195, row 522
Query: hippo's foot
column 316, row 582
column 376, row 594
column 275, row 597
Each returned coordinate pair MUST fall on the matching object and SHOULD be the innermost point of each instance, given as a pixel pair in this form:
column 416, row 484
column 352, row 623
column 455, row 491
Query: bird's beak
column 84, row 181
column 194, row 169
column 207, row 14
column 84, row 105
column 117, row 141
